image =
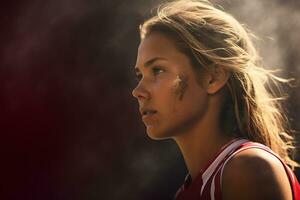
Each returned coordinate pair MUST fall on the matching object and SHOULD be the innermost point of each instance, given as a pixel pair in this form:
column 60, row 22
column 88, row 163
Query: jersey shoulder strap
column 216, row 180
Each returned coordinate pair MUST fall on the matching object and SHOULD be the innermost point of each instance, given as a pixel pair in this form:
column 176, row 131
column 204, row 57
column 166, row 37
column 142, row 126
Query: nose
column 140, row 92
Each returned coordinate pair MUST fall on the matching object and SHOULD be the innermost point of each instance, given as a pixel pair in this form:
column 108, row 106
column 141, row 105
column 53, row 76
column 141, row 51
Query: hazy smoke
column 66, row 69
column 276, row 25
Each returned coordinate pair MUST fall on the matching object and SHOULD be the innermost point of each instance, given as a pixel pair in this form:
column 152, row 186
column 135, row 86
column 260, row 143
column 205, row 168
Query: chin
column 157, row 135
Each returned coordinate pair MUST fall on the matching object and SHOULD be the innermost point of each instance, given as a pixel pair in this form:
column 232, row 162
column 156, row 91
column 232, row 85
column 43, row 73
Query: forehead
column 156, row 45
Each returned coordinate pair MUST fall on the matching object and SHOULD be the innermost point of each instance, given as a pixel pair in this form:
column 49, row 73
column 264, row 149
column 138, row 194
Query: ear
column 217, row 79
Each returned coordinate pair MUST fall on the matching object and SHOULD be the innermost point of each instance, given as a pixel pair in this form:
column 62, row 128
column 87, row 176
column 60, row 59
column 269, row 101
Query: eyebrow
column 150, row 62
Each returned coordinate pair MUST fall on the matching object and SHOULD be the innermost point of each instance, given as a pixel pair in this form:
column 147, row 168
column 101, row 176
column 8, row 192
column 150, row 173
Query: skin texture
column 254, row 174
column 163, row 87
column 180, row 85
column 184, row 106
column 189, row 113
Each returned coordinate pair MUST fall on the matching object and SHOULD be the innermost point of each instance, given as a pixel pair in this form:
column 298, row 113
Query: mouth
column 148, row 112
column 148, row 115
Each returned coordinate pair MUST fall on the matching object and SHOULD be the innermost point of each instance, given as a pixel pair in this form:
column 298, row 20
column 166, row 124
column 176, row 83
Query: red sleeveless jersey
column 207, row 185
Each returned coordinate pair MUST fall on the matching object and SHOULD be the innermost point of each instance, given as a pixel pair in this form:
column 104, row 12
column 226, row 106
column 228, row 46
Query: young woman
column 201, row 83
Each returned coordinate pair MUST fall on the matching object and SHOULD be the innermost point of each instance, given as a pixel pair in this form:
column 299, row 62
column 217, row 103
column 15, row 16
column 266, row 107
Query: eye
column 157, row 70
column 138, row 76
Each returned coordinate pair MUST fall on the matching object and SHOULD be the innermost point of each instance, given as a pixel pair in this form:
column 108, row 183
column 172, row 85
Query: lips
column 147, row 111
column 148, row 115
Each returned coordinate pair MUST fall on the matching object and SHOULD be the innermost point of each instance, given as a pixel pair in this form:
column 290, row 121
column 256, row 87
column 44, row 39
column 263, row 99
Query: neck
column 201, row 141
column 198, row 150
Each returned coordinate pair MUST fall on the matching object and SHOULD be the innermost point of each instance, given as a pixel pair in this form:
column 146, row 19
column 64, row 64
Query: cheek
column 190, row 99
column 176, row 93
column 180, row 85
column 164, row 88
column 179, row 105
column 169, row 93
column 180, row 116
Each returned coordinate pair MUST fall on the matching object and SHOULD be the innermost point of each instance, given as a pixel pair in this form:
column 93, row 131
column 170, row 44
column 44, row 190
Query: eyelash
column 155, row 71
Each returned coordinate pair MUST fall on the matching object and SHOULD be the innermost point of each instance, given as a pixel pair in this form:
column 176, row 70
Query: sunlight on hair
column 216, row 38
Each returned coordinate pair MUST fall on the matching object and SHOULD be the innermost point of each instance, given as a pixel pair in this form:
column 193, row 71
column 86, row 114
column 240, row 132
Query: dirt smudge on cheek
column 180, row 86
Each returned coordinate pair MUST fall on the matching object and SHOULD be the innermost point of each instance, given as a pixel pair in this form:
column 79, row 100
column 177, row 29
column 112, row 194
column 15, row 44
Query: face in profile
column 171, row 100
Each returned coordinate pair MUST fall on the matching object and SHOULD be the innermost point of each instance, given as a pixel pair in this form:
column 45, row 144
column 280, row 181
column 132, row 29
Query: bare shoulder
column 255, row 174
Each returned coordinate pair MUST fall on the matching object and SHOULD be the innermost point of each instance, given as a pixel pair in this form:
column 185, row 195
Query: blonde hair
column 210, row 37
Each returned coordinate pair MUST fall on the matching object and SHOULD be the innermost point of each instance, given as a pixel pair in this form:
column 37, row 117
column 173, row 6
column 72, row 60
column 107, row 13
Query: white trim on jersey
column 209, row 171
column 212, row 189
column 212, row 176
column 257, row 145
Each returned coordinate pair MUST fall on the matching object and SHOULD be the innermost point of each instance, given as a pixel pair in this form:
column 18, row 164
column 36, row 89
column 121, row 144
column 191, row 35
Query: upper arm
column 255, row 174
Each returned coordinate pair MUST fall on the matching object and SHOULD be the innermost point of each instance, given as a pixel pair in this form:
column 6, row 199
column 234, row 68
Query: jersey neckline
column 188, row 179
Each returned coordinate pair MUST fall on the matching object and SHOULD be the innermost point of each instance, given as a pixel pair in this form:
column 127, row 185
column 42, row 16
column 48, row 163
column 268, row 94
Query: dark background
column 70, row 128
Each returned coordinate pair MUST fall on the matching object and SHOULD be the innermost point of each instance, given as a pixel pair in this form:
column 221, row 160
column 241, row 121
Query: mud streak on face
column 180, row 85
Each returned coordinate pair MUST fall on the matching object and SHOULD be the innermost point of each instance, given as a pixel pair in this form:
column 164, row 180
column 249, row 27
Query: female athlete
column 201, row 83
